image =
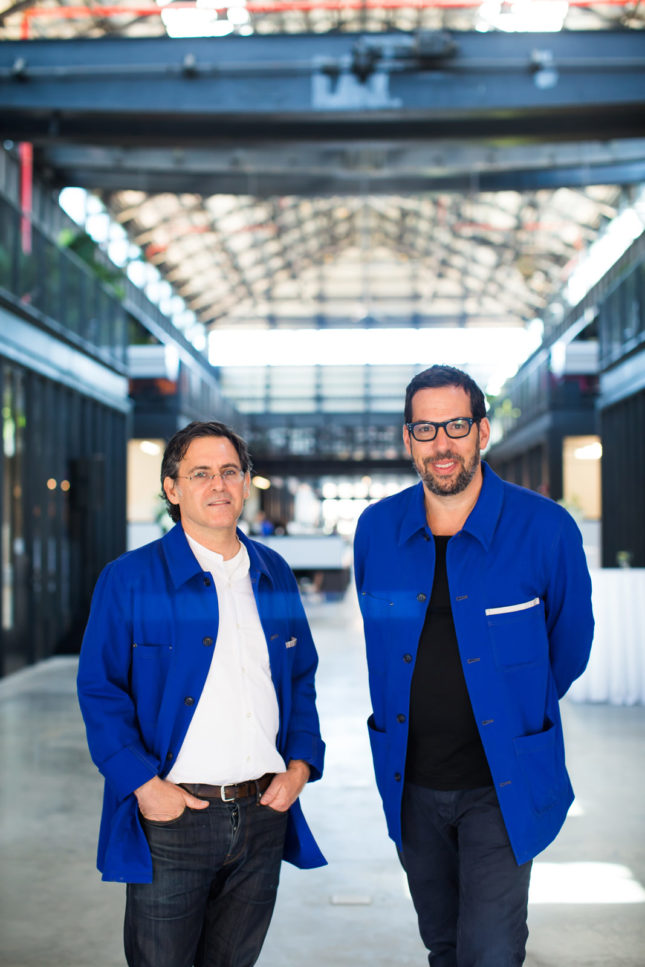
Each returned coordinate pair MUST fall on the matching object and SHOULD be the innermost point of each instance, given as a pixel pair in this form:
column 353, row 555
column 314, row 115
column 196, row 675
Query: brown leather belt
column 240, row 790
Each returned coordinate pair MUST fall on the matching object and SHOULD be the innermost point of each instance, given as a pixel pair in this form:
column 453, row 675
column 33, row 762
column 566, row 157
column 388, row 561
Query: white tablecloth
column 616, row 669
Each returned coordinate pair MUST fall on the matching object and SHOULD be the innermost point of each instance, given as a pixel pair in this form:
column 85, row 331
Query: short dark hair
column 437, row 376
column 178, row 445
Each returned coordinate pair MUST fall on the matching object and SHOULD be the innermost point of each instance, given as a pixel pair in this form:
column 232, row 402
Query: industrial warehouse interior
column 274, row 214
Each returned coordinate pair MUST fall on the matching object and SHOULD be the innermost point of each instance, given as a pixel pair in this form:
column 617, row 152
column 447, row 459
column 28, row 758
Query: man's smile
column 443, row 465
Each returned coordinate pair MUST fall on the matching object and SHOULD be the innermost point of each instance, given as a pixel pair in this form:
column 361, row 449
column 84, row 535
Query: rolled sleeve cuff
column 310, row 748
column 128, row 769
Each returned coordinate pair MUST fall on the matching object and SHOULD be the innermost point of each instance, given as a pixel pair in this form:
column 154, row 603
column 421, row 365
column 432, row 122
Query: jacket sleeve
column 303, row 740
column 108, row 710
column 569, row 616
column 359, row 553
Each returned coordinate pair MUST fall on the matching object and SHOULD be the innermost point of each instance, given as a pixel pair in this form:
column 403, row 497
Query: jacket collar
column 481, row 522
column 483, row 518
column 258, row 558
column 414, row 513
column 183, row 565
column 180, row 560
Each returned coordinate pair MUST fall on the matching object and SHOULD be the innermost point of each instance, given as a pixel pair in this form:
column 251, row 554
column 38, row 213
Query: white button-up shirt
column 232, row 736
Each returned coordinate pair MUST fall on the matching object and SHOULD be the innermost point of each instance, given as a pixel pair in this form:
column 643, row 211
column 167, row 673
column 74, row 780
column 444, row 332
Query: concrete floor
column 588, row 890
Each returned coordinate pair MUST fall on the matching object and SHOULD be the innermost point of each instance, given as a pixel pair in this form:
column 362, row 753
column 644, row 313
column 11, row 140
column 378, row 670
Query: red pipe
column 274, row 6
column 26, row 158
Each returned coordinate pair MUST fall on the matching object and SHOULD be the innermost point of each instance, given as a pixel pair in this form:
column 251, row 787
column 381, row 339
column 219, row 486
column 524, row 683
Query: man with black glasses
column 476, row 602
column 196, row 683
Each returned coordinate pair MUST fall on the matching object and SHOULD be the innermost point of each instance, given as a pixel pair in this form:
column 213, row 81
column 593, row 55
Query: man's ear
column 484, row 433
column 406, row 439
column 170, row 490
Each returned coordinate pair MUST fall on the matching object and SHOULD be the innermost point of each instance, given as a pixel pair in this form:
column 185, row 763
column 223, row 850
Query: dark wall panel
column 623, row 482
column 62, row 465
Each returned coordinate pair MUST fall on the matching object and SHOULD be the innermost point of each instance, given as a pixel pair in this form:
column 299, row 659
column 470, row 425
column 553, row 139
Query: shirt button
column 407, row 658
column 400, row 717
column 207, row 641
column 189, row 700
column 421, row 596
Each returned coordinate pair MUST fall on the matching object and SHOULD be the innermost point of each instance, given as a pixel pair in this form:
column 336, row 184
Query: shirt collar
column 482, row 520
column 234, row 569
column 183, row 565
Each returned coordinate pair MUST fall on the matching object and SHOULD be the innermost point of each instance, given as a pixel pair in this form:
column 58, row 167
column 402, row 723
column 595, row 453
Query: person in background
column 196, row 684
column 476, row 603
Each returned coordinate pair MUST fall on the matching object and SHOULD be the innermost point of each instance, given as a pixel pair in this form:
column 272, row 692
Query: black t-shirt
column 444, row 747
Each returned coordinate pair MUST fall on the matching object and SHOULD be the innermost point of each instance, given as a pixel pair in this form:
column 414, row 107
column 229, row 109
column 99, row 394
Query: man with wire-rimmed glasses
column 476, row 603
column 196, row 683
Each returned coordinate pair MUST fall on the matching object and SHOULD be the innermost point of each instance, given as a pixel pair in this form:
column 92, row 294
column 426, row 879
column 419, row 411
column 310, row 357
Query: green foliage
column 84, row 246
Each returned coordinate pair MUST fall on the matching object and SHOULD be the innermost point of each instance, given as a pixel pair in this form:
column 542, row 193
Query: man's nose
column 217, row 482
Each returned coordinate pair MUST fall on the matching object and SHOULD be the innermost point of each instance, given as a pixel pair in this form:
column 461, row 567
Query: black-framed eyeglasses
column 425, row 430
column 231, row 475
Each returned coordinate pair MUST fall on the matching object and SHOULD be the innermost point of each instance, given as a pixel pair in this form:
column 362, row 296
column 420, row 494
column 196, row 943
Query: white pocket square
column 524, row 606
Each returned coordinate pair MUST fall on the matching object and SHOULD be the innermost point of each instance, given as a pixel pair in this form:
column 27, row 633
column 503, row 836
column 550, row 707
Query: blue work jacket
column 521, row 601
column 145, row 656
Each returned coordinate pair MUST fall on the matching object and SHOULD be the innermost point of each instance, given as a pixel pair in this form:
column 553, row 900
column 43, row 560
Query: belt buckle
column 228, row 798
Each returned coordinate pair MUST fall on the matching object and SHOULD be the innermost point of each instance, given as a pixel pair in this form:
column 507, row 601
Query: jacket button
column 397, row 777
column 169, row 756
column 407, row 658
column 207, row 641
column 207, row 582
column 400, row 717
column 189, row 700
column 421, row 596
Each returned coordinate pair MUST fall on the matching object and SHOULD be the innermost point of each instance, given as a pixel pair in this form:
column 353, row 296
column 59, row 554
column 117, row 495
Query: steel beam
column 206, row 91
column 383, row 317
column 322, row 169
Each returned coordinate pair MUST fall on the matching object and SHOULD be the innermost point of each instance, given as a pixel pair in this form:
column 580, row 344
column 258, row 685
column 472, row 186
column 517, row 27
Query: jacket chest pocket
column 518, row 633
column 149, row 672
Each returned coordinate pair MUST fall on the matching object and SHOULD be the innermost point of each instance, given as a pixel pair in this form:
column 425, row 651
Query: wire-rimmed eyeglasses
column 231, row 475
column 425, row 430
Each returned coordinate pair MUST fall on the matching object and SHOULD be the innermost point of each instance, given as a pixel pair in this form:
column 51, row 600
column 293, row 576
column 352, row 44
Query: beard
column 447, row 486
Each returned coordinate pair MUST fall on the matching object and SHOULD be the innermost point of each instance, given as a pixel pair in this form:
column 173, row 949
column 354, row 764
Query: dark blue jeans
column 470, row 895
column 215, row 878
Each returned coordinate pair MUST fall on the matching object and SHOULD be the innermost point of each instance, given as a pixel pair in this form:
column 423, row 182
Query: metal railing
column 55, row 288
